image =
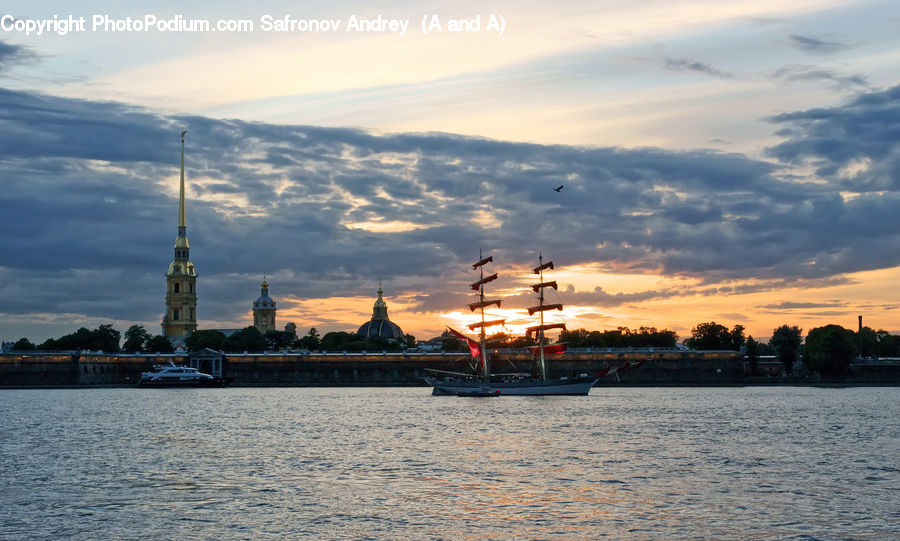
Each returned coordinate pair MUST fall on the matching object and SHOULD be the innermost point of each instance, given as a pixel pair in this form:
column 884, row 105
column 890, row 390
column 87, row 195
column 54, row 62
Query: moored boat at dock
column 171, row 375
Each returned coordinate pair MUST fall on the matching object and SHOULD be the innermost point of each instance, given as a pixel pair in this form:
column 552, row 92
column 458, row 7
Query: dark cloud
column 689, row 64
column 856, row 145
column 796, row 74
column 823, row 46
column 787, row 305
column 88, row 209
column 12, row 55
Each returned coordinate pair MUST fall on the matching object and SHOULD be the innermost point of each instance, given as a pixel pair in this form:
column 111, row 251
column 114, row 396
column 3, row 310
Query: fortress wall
column 24, row 369
column 359, row 369
column 663, row 368
column 72, row 368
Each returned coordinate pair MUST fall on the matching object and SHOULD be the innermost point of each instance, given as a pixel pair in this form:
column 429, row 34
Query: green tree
column 159, row 344
column 866, row 341
column 103, row 338
column 497, row 340
column 23, row 344
column 80, row 339
column 311, row 341
column 347, row 341
column 576, row 338
column 410, row 341
column 246, row 339
column 619, row 338
column 378, row 343
column 338, row 341
column 736, row 337
column 608, row 339
column 136, row 338
column 211, row 339
column 711, row 336
column 650, row 337
column 786, row 340
column 49, row 344
column 106, row 338
column 766, row 349
column 752, row 354
column 829, row 350
column 888, row 344
column 278, row 340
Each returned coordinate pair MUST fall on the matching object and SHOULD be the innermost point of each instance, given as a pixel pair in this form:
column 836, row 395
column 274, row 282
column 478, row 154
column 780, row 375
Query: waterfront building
column 180, row 318
column 264, row 310
column 380, row 326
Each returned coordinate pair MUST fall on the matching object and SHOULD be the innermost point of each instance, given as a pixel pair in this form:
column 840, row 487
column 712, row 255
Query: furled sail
column 484, row 261
column 480, row 324
column 485, row 280
column 543, row 308
column 538, row 287
column 539, row 268
column 531, row 330
column 484, row 304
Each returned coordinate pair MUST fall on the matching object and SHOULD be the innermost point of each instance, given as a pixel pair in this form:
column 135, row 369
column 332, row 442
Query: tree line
column 251, row 339
column 828, row 350
column 103, row 338
column 138, row 340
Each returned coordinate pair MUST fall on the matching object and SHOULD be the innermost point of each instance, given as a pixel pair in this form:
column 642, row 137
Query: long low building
column 344, row 369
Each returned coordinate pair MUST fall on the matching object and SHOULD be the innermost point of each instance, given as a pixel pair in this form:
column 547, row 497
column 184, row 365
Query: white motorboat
column 171, row 375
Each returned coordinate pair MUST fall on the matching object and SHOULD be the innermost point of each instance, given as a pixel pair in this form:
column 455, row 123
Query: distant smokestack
column 860, row 323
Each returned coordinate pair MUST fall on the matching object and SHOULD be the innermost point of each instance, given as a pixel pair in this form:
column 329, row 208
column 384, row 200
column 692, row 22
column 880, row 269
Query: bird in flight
column 558, row 189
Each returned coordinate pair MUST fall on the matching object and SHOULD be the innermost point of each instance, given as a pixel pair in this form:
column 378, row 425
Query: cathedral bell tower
column 264, row 310
column 180, row 319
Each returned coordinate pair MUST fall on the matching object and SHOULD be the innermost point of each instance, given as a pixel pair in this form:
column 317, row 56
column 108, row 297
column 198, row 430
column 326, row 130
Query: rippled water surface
column 397, row 463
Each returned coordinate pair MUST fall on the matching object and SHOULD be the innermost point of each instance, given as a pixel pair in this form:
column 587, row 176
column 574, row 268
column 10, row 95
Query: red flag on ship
column 474, row 348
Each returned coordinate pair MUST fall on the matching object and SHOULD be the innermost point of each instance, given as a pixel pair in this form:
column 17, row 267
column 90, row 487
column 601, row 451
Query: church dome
column 380, row 326
column 264, row 300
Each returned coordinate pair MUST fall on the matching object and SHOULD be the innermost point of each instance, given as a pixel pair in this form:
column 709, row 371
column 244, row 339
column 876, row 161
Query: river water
column 397, row 463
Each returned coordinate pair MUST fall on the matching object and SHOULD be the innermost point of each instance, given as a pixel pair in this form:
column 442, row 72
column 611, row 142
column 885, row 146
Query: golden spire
column 181, row 242
column 181, row 191
column 379, row 310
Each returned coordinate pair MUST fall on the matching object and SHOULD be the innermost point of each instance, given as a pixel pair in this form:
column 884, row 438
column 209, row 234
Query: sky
column 736, row 162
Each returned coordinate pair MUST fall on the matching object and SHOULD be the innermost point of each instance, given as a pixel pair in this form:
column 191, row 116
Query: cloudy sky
column 729, row 161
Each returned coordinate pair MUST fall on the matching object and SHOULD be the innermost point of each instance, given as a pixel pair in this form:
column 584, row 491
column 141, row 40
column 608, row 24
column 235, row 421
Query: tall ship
column 486, row 383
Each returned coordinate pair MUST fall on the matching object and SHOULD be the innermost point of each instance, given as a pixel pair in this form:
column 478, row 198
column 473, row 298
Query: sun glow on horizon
column 758, row 311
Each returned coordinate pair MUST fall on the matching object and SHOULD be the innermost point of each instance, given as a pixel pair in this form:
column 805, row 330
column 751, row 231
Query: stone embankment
column 347, row 369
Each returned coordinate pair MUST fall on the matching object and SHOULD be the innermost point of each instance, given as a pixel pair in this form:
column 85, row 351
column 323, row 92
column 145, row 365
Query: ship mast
column 484, row 356
column 541, row 307
column 479, row 287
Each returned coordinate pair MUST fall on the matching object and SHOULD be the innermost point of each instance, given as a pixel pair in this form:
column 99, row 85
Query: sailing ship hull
column 579, row 386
